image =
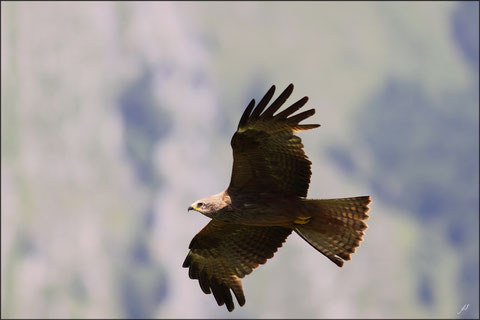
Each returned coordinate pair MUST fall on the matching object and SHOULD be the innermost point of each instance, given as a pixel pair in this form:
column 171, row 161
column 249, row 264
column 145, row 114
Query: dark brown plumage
column 266, row 201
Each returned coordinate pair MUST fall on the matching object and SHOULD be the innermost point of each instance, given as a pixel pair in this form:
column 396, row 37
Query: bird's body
column 262, row 209
column 267, row 200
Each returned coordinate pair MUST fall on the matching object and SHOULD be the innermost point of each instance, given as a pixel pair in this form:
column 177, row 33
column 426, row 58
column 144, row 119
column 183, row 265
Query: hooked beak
column 190, row 208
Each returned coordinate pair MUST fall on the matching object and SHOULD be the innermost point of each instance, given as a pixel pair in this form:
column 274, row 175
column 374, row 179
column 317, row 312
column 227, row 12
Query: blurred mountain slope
column 117, row 116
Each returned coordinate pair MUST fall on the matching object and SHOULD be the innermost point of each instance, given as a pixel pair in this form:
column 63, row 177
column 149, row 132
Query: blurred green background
column 116, row 116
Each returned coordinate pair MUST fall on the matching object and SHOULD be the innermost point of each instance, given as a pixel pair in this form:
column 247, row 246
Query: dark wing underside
column 267, row 156
column 221, row 254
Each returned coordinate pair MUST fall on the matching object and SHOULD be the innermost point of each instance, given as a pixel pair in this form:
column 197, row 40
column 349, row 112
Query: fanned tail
column 334, row 226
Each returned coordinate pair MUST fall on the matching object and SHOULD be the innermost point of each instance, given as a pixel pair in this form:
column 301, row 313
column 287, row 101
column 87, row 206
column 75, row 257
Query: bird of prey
column 267, row 200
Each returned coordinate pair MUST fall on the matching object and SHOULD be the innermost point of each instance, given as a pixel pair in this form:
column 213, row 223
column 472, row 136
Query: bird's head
column 202, row 206
column 210, row 205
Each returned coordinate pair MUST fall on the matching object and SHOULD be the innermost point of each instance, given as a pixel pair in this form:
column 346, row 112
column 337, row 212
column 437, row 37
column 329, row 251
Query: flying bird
column 267, row 200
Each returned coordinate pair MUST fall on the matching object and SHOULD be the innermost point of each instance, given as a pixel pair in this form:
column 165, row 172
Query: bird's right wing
column 221, row 254
column 267, row 155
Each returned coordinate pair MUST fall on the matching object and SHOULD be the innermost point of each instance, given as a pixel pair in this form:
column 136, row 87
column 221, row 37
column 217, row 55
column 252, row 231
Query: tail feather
column 335, row 226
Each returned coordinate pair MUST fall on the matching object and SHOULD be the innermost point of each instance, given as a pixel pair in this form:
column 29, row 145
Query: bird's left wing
column 221, row 254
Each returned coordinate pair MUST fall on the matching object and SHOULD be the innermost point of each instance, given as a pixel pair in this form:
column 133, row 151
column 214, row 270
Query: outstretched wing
column 267, row 155
column 221, row 254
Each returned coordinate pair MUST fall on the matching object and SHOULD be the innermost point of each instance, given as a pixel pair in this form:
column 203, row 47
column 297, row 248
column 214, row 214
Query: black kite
column 266, row 201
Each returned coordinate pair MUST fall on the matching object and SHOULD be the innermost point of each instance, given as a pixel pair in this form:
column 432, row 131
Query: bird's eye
column 200, row 204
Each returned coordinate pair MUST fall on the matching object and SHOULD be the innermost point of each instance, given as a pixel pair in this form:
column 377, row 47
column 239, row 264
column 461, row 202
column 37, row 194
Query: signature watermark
column 464, row 308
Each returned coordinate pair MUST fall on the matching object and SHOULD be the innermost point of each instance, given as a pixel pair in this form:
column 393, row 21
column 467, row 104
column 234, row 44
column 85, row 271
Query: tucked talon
column 302, row 220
